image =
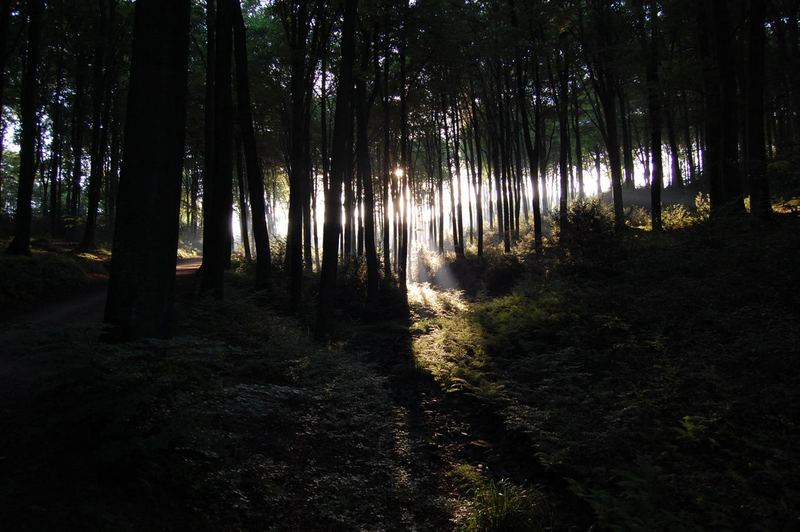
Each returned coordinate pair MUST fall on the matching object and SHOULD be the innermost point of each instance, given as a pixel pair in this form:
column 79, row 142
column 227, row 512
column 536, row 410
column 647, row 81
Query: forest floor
column 641, row 381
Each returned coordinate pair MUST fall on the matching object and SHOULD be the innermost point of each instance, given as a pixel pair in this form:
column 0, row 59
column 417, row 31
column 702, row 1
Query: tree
column 146, row 234
column 760, row 204
column 255, row 179
column 217, row 244
column 20, row 245
column 339, row 158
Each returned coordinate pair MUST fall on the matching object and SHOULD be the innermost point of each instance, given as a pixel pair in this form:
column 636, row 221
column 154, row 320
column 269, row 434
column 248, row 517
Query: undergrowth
column 655, row 374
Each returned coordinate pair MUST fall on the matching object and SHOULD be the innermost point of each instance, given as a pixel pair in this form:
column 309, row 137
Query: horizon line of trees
column 380, row 110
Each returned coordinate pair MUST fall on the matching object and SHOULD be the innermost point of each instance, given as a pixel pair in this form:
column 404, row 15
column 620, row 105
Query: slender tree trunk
column 654, row 116
column 404, row 152
column 77, row 139
column 5, row 20
column 457, row 161
column 562, row 104
column 255, row 176
column 55, row 148
column 298, row 174
column 577, row 131
column 687, row 139
column 479, row 176
column 339, row 161
column 365, row 177
column 240, row 187
column 760, row 205
column 146, row 236
column 677, row 177
column 99, row 93
column 20, row 245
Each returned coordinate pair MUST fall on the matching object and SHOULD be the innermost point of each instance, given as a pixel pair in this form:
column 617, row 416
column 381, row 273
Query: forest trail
column 81, row 308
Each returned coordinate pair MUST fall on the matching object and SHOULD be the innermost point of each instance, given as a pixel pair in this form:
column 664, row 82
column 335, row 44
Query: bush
column 505, row 506
column 637, row 216
column 702, row 206
column 676, row 217
column 590, row 226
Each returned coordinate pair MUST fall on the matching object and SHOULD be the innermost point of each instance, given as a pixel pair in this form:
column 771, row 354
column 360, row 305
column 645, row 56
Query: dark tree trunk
column 55, row 149
column 479, row 176
column 5, row 20
column 209, row 116
column 457, row 161
column 242, row 201
column 627, row 145
column 760, row 205
column 577, row 130
column 146, row 235
column 77, row 139
column 27, row 157
column 99, row 125
column 363, row 104
column 255, row 178
column 532, row 150
column 217, row 244
column 562, row 103
column 404, row 152
column 298, row 174
column 654, row 117
column 339, row 161
column 687, row 139
column 677, row 177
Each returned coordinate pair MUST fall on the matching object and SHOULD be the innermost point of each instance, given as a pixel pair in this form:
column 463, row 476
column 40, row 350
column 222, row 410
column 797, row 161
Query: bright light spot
column 399, row 172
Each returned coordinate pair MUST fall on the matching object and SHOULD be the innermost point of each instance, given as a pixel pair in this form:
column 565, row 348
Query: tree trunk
column 99, row 125
column 217, row 244
column 27, row 166
column 5, row 19
column 339, row 161
column 242, row 201
column 760, row 205
column 255, row 177
column 365, row 176
column 55, row 149
column 146, row 236
column 654, row 116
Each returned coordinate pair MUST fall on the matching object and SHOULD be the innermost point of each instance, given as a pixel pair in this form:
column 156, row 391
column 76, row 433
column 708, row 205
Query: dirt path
column 83, row 308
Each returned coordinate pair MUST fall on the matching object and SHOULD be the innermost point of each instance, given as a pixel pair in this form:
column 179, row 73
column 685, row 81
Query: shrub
column 702, row 206
column 590, row 227
column 677, row 217
column 637, row 216
column 505, row 506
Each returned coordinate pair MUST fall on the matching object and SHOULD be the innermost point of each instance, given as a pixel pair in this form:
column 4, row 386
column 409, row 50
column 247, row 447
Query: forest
column 484, row 265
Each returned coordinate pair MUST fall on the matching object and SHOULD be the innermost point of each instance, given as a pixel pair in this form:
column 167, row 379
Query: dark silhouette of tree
column 146, row 234
column 20, row 245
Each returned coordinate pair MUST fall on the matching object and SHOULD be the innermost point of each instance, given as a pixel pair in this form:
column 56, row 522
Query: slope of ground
column 656, row 374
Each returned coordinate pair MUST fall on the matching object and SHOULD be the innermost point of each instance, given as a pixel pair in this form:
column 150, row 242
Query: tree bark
column 255, row 177
column 760, row 205
column 340, row 156
column 20, row 244
column 217, row 244
column 146, row 236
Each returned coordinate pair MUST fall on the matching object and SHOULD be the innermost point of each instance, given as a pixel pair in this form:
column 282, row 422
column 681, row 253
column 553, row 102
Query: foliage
column 656, row 384
column 503, row 506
